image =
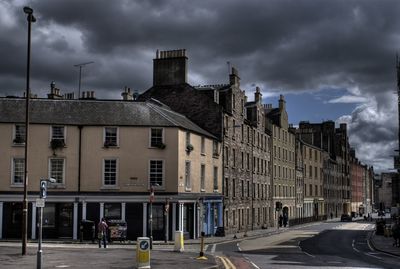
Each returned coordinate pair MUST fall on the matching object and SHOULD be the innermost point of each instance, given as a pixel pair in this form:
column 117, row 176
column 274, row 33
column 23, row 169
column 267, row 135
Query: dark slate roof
column 95, row 112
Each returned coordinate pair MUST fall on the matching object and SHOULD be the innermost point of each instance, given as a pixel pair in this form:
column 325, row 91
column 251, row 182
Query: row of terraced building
column 215, row 159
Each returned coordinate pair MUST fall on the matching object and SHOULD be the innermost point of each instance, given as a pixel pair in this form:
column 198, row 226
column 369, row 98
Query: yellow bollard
column 202, row 257
column 143, row 253
column 179, row 245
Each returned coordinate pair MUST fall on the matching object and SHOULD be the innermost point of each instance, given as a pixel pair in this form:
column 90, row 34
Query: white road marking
column 213, row 248
column 372, row 256
column 252, row 263
column 352, row 245
column 308, row 254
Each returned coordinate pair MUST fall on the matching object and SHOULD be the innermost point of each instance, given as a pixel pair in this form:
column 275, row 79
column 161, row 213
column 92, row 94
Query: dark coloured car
column 345, row 217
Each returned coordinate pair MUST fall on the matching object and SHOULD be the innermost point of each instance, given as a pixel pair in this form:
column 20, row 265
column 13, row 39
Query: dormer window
column 110, row 136
column 19, row 134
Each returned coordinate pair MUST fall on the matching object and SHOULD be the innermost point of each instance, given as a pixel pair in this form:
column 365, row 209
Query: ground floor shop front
column 63, row 215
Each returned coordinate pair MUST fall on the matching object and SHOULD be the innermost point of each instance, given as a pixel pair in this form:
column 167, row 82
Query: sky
column 332, row 60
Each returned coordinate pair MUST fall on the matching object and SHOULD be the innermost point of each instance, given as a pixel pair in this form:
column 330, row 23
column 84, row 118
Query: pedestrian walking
column 331, row 215
column 280, row 220
column 285, row 220
column 102, row 232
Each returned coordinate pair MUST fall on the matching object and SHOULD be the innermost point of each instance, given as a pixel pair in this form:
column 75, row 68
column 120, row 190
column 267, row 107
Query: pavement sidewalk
column 384, row 244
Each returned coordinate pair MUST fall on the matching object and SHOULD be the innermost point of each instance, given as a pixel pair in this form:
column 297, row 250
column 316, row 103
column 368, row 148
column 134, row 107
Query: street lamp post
column 30, row 18
column 43, row 190
column 151, row 215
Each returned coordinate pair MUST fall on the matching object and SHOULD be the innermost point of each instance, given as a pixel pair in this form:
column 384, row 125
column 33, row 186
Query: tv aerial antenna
column 80, row 75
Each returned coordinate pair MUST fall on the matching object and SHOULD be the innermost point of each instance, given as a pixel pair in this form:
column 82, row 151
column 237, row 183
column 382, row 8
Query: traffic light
column 43, row 189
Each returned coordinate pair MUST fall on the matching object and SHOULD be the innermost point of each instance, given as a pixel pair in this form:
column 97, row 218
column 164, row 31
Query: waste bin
column 87, row 230
column 220, row 231
column 117, row 230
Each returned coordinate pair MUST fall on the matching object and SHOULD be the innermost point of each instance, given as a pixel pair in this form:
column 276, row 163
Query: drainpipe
column 79, row 158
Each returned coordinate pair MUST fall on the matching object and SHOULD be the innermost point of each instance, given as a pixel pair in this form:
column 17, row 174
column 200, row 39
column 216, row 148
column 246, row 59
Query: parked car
column 346, row 217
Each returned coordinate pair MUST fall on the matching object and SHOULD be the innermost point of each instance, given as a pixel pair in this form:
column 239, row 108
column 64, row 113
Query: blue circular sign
column 144, row 245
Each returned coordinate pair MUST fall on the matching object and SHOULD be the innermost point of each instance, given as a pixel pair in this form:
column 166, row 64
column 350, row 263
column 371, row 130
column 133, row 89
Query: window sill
column 203, row 154
column 56, row 186
column 203, row 190
column 188, row 189
column 17, row 185
column 18, row 144
column 109, row 188
column 110, row 147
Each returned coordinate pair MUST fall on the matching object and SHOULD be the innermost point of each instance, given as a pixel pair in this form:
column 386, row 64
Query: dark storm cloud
column 280, row 45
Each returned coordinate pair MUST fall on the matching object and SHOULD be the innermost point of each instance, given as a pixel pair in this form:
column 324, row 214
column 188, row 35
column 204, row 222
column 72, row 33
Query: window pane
column 19, row 134
column 202, row 177
column 156, row 172
column 19, row 166
column 187, row 175
column 215, row 178
column 156, row 137
column 110, row 172
column 57, row 132
column 57, row 169
column 112, row 211
column 110, row 136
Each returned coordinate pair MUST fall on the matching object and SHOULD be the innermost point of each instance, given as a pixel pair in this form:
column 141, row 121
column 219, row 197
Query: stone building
column 223, row 110
column 283, row 178
column 299, row 149
column 358, row 180
column 386, row 191
column 336, row 168
column 105, row 156
column 313, row 204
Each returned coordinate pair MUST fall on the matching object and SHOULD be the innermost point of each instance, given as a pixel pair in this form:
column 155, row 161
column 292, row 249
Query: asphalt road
column 327, row 245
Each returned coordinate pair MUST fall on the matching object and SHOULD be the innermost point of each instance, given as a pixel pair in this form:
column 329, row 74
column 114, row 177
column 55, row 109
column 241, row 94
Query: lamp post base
column 39, row 260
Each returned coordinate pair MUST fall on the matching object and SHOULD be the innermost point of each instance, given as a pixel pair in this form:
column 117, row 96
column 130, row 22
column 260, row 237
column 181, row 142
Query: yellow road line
column 227, row 263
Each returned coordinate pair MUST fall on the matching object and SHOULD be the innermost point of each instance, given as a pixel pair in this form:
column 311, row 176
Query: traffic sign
column 43, row 188
column 40, row 202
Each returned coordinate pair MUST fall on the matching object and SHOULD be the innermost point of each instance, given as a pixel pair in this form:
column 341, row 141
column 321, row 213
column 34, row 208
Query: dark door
column 65, row 220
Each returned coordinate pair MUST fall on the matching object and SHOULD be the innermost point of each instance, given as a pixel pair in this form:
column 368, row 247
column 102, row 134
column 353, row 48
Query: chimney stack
column 257, row 95
column 234, row 78
column 282, row 103
column 170, row 67
column 127, row 95
column 54, row 92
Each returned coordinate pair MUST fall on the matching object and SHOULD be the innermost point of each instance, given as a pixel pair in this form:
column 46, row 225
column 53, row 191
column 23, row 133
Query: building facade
column 224, row 111
column 283, row 179
column 105, row 157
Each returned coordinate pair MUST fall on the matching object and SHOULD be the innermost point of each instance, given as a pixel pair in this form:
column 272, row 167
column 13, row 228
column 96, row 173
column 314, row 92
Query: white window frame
column 202, row 177
column 65, row 133
column 188, row 172
column 13, row 183
column 162, row 136
column 116, row 173
column 162, row 187
column 15, row 134
column 63, row 172
column 117, row 134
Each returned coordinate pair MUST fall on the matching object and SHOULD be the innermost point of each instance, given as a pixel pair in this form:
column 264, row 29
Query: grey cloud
column 282, row 45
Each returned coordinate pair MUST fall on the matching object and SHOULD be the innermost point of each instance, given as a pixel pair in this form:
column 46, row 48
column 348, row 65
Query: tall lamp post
column 30, row 18
column 43, row 195
column 151, row 215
